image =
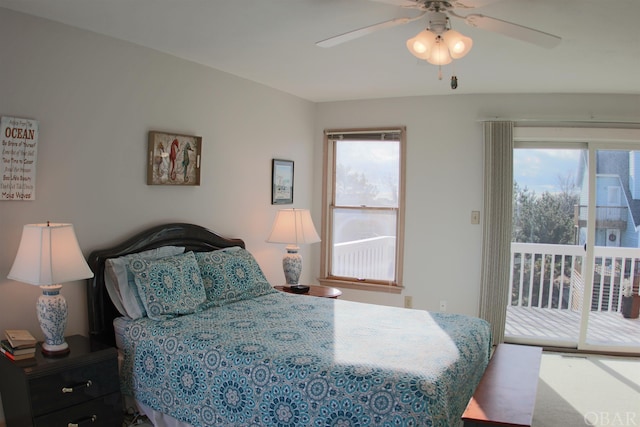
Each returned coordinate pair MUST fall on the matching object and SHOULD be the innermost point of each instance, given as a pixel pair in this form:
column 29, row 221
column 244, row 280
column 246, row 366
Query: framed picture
column 173, row 159
column 282, row 182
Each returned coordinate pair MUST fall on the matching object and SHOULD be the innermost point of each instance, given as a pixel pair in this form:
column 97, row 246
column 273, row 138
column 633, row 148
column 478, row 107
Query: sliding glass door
column 612, row 311
column 547, row 249
column 575, row 252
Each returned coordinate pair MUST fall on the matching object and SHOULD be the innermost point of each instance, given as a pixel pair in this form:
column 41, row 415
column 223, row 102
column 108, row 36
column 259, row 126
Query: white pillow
column 112, row 290
column 121, row 284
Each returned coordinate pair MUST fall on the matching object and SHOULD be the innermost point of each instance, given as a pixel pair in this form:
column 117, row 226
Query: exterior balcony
column 547, row 295
column 612, row 217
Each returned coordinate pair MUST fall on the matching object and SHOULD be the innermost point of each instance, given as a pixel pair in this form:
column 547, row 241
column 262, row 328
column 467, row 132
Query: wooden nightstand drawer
column 102, row 412
column 32, row 389
column 73, row 386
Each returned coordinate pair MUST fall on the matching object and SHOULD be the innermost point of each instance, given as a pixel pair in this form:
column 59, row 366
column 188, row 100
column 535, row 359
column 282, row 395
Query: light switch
column 475, row 217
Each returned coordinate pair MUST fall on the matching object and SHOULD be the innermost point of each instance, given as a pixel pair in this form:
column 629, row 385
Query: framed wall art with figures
column 174, row 159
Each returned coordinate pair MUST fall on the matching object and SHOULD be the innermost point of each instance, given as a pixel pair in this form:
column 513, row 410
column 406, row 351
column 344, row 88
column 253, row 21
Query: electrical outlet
column 408, row 301
column 475, row 217
column 443, row 305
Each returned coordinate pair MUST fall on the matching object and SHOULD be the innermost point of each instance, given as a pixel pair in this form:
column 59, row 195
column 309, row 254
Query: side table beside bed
column 314, row 291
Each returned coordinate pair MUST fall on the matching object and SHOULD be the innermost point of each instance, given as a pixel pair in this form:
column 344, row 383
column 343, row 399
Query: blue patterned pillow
column 169, row 286
column 121, row 284
column 231, row 274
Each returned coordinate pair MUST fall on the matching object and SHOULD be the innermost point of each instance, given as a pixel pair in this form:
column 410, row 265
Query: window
column 363, row 208
column 613, row 196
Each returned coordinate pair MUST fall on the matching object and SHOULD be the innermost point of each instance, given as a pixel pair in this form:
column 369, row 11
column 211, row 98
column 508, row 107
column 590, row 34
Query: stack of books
column 20, row 344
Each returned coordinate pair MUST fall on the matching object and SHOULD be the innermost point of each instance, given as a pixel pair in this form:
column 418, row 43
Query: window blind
column 378, row 135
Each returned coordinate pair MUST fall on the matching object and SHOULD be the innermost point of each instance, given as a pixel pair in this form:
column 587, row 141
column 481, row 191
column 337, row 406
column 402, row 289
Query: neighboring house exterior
column 617, row 223
column 617, row 199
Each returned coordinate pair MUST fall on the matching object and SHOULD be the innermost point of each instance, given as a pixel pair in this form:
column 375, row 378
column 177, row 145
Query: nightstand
column 315, row 291
column 80, row 388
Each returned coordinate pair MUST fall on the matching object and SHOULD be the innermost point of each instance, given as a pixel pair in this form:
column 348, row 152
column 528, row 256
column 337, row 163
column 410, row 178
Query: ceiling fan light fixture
column 421, row 45
column 439, row 54
column 458, row 44
column 439, row 49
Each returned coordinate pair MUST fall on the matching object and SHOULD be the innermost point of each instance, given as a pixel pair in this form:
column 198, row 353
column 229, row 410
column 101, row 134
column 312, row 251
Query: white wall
column 445, row 179
column 95, row 99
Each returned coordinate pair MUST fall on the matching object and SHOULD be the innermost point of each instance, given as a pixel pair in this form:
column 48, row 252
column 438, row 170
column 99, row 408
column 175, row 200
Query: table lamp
column 293, row 227
column 49, row 255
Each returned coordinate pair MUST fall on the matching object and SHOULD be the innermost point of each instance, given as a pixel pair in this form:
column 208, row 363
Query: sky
column 540, row 169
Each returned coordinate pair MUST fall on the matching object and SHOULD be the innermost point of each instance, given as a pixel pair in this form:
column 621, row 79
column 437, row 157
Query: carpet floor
column 587, row 390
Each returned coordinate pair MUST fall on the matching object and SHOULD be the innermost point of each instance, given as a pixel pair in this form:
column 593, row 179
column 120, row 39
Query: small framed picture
column 173, row 159
column 282, row 182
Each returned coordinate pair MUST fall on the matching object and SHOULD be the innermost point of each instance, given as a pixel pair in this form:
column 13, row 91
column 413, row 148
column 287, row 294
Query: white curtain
column 498, row 202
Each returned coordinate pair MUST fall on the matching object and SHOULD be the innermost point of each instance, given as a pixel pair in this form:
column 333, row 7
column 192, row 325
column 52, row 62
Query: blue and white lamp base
column 52, row 314
column 292, row 265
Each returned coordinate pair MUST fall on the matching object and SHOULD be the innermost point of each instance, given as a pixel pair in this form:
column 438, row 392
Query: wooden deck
column 561, row 327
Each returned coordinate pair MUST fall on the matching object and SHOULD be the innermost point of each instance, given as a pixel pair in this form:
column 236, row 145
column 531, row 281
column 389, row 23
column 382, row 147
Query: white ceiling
column 273, row 42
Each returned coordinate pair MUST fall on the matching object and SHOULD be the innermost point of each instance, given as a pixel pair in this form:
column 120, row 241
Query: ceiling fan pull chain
column 439, row 72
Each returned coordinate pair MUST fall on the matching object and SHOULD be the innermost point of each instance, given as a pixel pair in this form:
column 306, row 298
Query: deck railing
column 606, row 216
column 552, row 276
column 371, row 258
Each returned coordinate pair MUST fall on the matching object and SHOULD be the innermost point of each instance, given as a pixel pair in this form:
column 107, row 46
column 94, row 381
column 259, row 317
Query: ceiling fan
column 438, row 13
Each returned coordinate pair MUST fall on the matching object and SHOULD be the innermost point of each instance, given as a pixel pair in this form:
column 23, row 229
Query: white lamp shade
column 49, row 254
column 458, row 44
column 293, row 226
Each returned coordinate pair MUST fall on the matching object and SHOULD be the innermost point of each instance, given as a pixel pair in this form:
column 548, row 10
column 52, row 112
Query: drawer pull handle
column 73, row 388
column 91, row 419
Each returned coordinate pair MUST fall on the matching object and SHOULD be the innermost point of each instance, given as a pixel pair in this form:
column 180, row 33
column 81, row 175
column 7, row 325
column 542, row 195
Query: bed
column 246, row 354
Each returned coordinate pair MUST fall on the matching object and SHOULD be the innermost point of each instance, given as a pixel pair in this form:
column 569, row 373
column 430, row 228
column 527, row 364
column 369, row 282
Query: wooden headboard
column 101, row 309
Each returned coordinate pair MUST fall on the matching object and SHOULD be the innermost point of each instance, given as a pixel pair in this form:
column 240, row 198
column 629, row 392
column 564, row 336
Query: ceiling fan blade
column 351, row 35
column 455, row 4
column 468, row 4
column 401, row 3
column 516, row 31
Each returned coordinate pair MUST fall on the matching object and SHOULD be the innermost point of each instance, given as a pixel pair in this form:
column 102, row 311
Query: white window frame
column 328, row 197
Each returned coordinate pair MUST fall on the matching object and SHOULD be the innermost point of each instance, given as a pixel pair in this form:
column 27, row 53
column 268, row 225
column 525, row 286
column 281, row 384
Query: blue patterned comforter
column 290, row 360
